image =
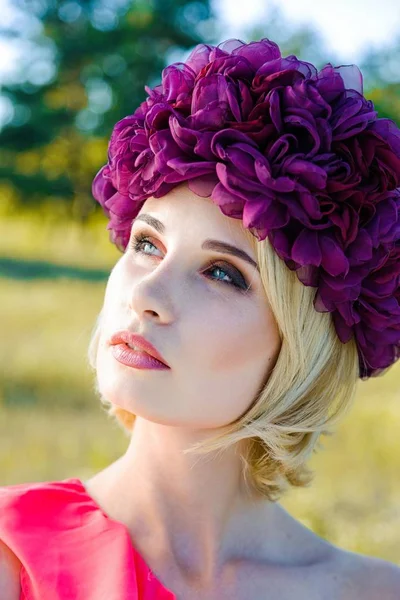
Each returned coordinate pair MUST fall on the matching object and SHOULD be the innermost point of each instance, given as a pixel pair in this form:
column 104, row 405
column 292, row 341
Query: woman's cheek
column 231, row 341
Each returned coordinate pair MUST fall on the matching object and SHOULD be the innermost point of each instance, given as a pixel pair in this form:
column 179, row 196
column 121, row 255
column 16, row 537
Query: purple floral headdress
column 298, row 154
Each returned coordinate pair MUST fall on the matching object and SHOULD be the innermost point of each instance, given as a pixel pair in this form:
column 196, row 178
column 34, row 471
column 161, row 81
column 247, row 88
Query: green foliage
column 87, row 69
column 102, row 56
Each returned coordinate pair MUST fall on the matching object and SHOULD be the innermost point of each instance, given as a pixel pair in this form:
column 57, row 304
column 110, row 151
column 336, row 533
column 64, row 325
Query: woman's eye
column 235, row 278
column 138, row 243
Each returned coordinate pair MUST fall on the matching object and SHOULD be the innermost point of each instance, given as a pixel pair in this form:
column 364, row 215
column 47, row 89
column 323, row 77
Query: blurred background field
column 83, row 66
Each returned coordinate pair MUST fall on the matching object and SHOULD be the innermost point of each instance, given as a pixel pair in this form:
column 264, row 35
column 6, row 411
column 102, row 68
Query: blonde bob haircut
column 310, row 388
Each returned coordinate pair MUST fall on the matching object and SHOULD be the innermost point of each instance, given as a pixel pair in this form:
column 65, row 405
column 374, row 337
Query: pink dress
column 69, row 548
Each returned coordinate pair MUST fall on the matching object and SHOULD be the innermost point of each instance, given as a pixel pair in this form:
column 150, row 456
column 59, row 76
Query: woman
column 256, row 204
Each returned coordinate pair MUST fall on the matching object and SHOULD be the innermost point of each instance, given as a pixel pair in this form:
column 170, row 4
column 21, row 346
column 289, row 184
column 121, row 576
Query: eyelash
column 237, row 282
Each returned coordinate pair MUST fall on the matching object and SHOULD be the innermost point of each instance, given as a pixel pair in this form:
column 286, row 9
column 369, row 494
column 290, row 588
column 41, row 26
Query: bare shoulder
column 366, row 577
column 10, row 588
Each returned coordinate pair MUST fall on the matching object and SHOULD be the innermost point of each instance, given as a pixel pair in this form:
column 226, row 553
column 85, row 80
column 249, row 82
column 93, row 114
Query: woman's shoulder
column 10, row 568
column 359, row 576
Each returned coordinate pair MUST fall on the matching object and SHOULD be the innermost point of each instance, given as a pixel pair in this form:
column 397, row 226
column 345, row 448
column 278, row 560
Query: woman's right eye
column 139, row 241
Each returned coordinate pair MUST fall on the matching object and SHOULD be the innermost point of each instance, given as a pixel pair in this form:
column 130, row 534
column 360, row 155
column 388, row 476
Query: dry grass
column 52, row 427
column 49, row 235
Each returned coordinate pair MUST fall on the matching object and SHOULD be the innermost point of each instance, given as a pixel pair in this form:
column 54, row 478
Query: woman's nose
column 151, row 298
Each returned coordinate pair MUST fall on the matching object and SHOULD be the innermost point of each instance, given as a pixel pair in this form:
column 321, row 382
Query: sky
column 349, row 27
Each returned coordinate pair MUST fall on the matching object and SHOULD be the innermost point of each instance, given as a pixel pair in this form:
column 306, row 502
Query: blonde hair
column 310, row 388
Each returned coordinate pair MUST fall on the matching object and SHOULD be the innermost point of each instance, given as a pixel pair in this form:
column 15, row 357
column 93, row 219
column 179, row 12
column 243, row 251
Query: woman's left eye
column 236, row 278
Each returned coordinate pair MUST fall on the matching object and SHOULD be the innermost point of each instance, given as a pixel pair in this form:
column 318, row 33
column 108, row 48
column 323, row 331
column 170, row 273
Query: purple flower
column 298, row 154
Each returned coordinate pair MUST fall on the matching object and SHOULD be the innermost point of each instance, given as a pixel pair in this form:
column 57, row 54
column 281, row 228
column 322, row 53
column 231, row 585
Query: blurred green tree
column 85, row 67
column 381, row 70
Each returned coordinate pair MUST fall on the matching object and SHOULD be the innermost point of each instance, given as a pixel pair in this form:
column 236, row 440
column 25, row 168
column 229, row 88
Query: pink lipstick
column 135, row 351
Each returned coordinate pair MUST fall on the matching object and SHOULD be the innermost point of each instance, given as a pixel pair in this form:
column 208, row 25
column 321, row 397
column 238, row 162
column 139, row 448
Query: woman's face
column 218, row 337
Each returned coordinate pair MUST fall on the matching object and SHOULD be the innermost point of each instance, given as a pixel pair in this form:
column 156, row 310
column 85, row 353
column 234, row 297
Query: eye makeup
column 237, row 279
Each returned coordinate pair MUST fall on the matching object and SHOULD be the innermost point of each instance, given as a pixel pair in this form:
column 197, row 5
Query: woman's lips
column 136, row 359
column 134, row 340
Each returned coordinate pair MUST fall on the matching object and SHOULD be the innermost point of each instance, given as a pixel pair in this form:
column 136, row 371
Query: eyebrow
column 208, row 244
